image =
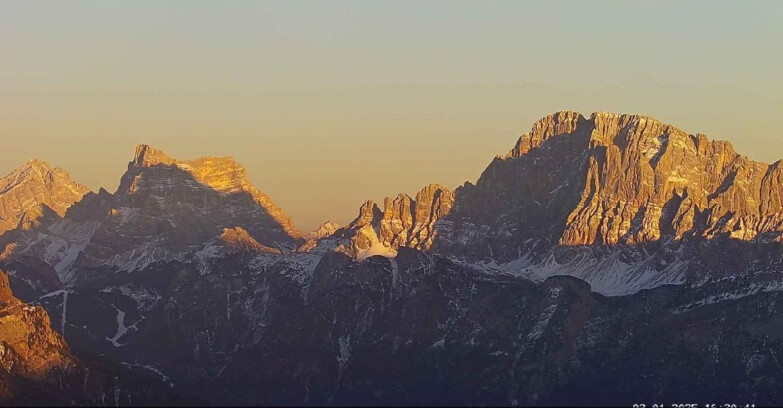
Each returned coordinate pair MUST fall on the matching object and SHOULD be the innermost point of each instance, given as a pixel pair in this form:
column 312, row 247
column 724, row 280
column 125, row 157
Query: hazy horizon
column 330, row 104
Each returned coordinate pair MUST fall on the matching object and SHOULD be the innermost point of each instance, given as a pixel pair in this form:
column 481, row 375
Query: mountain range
column 603, row 260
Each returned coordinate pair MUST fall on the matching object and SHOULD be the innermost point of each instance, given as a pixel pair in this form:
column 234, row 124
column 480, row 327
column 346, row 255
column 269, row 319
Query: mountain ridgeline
column 606, row 260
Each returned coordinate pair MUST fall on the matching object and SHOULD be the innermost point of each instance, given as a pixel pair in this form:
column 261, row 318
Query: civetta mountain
column 602, row 260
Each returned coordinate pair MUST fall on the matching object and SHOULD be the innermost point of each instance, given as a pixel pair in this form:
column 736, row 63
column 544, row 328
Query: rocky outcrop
column 646, row 180
column 29, row 347
column 37, row 368
column 411, row 223
column 34, row 191
column 404, row 222
column 239, row 240
column 5, row 289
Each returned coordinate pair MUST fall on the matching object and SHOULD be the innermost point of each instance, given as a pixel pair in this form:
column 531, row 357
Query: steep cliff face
column 629, row 179
column 523, row 199
column 32, row 355
column 29, row 348
column 404, row 222
column 35, row 191
column 621, row 201
column 646, row 180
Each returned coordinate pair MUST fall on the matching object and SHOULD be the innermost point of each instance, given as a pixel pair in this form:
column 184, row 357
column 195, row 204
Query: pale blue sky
column 328, row 104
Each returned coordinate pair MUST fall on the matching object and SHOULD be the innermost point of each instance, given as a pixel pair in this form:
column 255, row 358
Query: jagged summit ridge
column 604, row 127
column 403, row 222
column 222, row 174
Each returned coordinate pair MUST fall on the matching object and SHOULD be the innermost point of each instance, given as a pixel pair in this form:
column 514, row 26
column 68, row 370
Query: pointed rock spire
column 147, row 156
column 404, row 222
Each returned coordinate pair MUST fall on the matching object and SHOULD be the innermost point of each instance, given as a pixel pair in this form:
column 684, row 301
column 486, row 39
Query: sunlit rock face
column 404, row 222
column 35, row 191
column 32, row 354
column 624, row 179
column 163, row 210
column 29, row 347
column 621, row 201
column 646, row 180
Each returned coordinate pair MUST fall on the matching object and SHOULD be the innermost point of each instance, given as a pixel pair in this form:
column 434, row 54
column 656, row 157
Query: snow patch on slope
column 61, row 246
column 376, row 248
column 609, row 276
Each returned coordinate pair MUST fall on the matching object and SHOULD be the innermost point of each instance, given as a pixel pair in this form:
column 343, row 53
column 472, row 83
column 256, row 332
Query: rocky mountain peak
column 369, row 213
column 33, row 190
column 222, row 174
column 614, row 179
column 38, row 164
column 324, row 230
column 147, row 156
column 32, row 170
column 178, row 205
column 404, row 222
column 554, row 124
column 433, row 191
column 604, row 128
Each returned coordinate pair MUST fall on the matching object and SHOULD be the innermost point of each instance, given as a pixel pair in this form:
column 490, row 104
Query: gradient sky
column 330, row 104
